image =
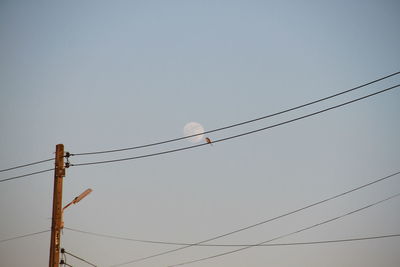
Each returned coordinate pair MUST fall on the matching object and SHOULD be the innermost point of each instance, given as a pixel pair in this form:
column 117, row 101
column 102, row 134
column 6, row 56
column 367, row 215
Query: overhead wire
column 232, row 245
column 63, row 261
column 286, row 235
column 194, row 146
column 321, row 241
column 214, row 130
column 264, row 221
column 23, row 236
column 240, row 123
column 26, row 165
column 79, row 258
column 25, row 175
column 247, row 227
column 238, row 135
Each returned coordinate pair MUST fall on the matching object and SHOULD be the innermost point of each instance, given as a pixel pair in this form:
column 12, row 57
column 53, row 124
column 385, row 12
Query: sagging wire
column 63, row 261
column 63, row 251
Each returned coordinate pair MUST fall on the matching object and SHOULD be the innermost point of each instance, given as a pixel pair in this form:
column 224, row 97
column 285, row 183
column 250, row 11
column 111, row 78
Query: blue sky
column 98, row 75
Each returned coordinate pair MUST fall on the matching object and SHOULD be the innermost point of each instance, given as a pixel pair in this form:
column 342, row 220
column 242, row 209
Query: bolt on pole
column 59, row 173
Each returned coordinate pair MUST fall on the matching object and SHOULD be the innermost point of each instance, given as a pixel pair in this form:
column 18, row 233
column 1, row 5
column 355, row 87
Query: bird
column 208, row 140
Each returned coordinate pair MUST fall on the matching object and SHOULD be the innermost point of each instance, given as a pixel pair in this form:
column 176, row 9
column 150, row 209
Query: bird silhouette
column 208, row 140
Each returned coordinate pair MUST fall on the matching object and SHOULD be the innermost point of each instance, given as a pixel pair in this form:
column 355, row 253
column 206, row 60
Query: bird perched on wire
column 208, row 140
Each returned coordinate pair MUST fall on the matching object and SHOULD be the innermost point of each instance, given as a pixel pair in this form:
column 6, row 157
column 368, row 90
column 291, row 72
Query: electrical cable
column 79, row 258
column 63, row 260
column 26, row 165
column 240, row 123
column 319, row 242
column 266, row 221
column 232, row 245
column 25, row 175
column 23, row 236
column 241, row 229
column 286, row 235
column 215, row 130
column 238, row 135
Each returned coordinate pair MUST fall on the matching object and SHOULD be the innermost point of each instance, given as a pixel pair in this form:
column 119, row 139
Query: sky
column 101, row 75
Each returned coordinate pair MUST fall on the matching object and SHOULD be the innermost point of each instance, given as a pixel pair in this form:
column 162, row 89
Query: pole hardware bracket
column 67, row 164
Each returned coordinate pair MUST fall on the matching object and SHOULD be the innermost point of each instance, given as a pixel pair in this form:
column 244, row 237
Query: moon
column 192, row 128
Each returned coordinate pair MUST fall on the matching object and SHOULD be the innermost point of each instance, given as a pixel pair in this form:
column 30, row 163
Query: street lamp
column 76, row 200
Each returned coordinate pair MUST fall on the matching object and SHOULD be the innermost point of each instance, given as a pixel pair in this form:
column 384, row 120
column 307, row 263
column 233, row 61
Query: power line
column 122, row 238
column 26, row 165
column 234, row 245
column 25, row 175
column 323, row 241
column 23, row 236
column 214, row 130
column 63, row 251
column 286, row 235
column 241, row 229
column 63, row 261
column 238, row 135
column 240, row 123
column 265, row 221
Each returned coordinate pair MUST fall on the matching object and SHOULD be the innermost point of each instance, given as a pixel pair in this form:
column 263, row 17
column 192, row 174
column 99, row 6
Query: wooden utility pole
column 59, row 173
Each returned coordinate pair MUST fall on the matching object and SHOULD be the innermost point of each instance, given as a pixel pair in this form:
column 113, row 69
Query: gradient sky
column 99, row 75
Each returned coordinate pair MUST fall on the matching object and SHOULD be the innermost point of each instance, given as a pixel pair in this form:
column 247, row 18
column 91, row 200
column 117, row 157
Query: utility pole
column 59, row 173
